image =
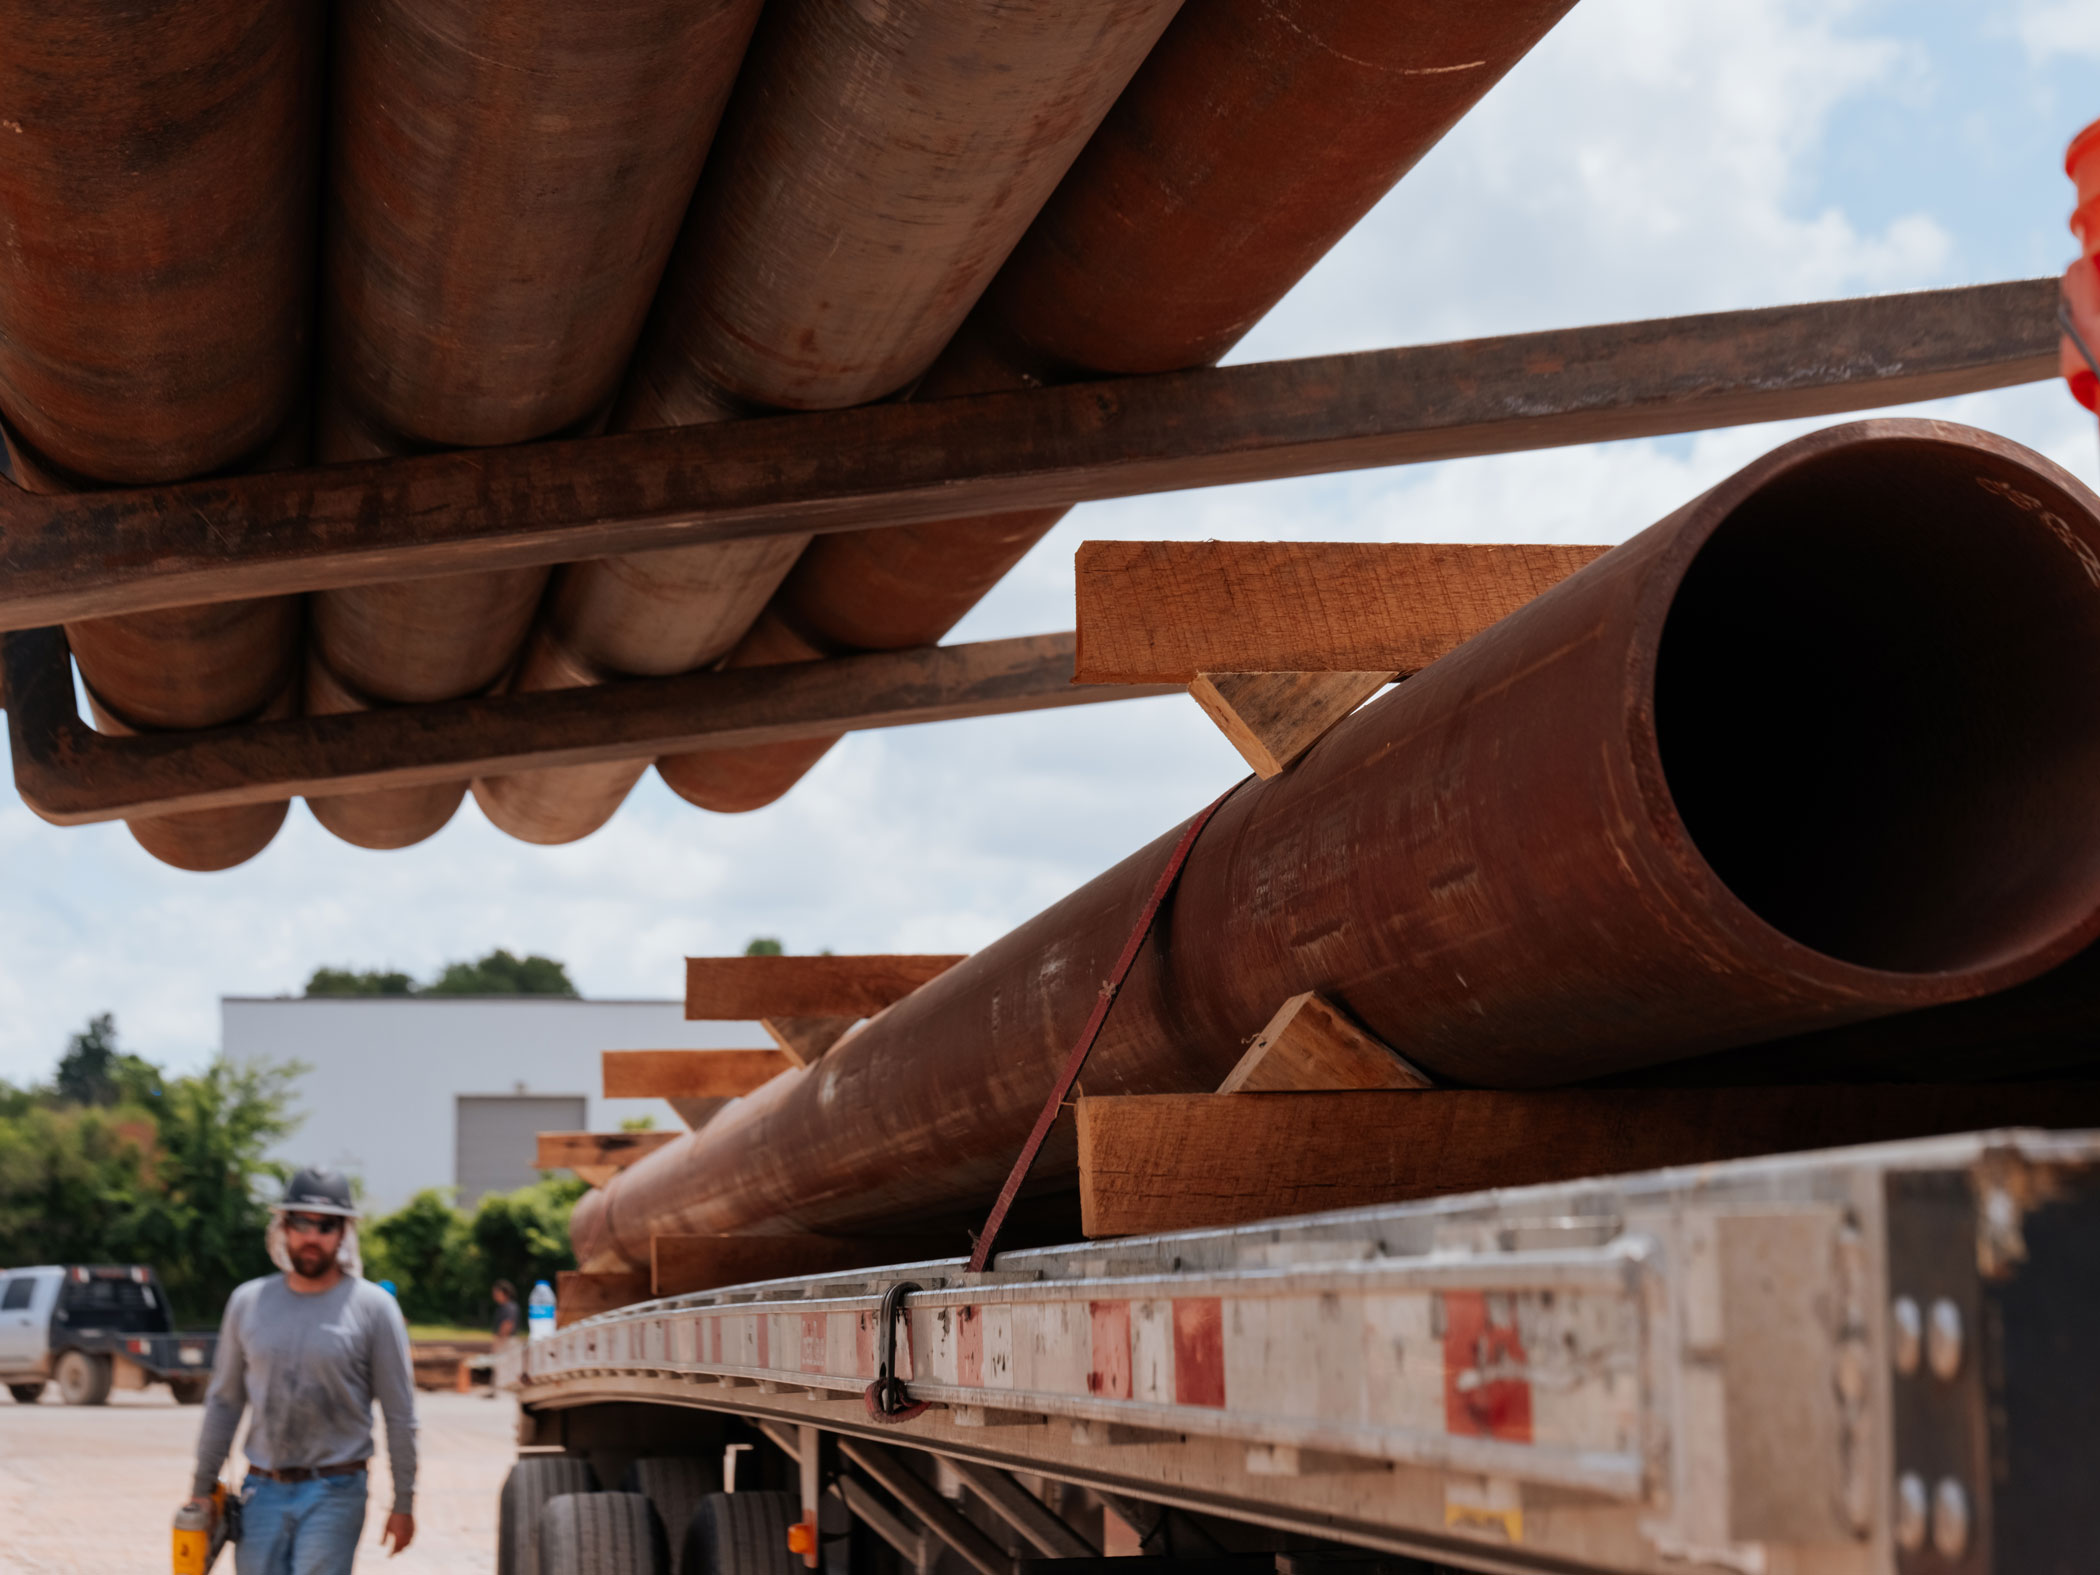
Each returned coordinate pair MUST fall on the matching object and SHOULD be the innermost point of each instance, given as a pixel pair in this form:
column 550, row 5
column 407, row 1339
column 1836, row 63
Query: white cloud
column 2051, row 28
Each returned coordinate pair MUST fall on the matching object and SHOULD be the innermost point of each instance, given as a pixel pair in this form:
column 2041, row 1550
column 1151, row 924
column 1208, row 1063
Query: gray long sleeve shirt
column 311, row 1366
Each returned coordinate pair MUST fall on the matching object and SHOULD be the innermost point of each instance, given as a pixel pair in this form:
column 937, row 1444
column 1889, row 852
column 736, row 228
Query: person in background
column 306, row 1352
column 506, row 1295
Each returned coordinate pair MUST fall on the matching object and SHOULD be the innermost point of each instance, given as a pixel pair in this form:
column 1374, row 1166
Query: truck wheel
column 189, row 1391
column 27, row 1394
column 741, row 1534
column 532, row 1482
column 674, row 1485
column 602, row 1534
column 83, row 1379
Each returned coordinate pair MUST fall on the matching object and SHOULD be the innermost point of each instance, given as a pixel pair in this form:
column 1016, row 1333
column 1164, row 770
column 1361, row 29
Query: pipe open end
column 1877, row 702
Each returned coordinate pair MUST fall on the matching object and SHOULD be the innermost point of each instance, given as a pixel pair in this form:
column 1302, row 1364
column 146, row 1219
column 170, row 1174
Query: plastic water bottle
column 539, row 1311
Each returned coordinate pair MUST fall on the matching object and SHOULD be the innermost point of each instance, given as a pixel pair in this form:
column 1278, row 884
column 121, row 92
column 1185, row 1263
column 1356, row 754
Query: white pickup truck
column 94, row 1327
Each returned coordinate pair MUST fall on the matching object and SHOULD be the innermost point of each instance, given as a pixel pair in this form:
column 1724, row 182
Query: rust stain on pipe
column 1254, row 137
column 1816, row 748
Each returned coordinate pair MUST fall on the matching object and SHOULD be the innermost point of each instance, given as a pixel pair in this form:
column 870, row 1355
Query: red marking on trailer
column 1199, row 1351
column 864, row 1344
column 765, row 1338
column 813, row 1342
column 969, row 1347
column 1108, row 1373
column 714, row 1339
column 1487, row 1390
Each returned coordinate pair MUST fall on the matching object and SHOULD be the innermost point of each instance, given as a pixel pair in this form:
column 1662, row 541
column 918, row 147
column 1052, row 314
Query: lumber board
column 803, row 1040
column 680, row 1265
column 1311, row 1044
column 1273, row 718
column 696, row 1113
column 688, row 1074
column 69, row 774
column 579, row 1295
column 595, row 1175
column 1171, row 611
column 567, row 1150
column 1163, row 1162
column 88, row 555
column 737, row 989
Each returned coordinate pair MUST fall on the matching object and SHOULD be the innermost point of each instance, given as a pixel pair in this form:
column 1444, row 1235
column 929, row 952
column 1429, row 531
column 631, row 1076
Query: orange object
column 802, row 1538
column 2082, row 164
column 2082, row 279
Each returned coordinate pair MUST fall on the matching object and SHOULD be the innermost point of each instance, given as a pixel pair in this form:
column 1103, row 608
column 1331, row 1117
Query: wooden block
column 1311, row 1044
column 578, row 1295
column 803, row 1040
column 681, row 1265
column 567, row 1150
column 595, row 1175
column 1273, row 718
column 696, row 1113
column 1161, row 1162
column 1168, row 611
column 737, row 989
column 688, row 1074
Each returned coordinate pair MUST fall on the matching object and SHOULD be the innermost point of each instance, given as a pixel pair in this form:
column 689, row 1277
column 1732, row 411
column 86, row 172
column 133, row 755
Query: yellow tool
column 201, row 1533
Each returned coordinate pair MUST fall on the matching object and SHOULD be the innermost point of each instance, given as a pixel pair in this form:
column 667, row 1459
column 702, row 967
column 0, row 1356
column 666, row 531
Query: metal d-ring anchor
column 887, row 1400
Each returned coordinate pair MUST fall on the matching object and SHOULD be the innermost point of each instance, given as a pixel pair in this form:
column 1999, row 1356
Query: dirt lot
column 87, row 1490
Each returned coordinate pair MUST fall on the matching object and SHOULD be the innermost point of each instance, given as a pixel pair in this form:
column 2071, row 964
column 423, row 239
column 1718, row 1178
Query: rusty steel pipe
column 505, row 188
column 1817, row 747
column 158, row 194
column 1254, row 137
column 875, row 167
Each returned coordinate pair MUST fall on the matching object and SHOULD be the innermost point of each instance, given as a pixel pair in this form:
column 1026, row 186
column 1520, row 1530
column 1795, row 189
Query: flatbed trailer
column 1867, row 1361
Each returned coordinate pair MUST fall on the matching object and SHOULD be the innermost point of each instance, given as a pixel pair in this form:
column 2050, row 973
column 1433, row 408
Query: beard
column 313, row 1261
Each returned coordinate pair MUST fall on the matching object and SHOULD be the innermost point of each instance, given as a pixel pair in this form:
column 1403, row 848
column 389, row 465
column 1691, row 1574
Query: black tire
column 741, row 1534
column 27, row 1394
column 602, row 1534
column 532, row 1482
column 83, row 1379
column 674, row 1485
column 189, row 1391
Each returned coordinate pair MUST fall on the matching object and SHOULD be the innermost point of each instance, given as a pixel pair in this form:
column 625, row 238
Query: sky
column 1650, row 158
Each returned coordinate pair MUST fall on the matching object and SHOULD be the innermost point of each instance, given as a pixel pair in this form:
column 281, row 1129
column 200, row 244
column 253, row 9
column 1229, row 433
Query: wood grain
column 568, row 1150
column 1310, row 1044
column 680, row 1265
column 688, row 1074
column 1273, row 718
column 735, row 989
column 1169, row 611
column 578, row 1295
column 92, row 554
column 803, row 1040
column 1162, row 1162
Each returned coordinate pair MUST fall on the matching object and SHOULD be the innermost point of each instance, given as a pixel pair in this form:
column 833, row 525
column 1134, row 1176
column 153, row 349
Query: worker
column 506, row 1298
column 307, row 1351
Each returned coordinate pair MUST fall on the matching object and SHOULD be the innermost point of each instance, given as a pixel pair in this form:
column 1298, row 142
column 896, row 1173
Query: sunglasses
column 313, row 1224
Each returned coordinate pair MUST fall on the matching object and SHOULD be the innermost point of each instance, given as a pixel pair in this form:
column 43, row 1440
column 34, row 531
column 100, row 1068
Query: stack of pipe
column 1817, row 748
column 875, row 167
column 505, row 186
column 1256, row 135
column 157, row 196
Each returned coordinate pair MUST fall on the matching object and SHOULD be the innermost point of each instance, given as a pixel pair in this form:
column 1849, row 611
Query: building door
column 497, row 1138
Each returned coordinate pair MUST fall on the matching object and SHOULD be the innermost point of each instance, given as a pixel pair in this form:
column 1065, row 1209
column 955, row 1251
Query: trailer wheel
column 189, row 1391
column 602, row 1534
column 27, row 1394
column 83, row 1379
column 674, row 1485
column 741, row 1534
column 532, row 1482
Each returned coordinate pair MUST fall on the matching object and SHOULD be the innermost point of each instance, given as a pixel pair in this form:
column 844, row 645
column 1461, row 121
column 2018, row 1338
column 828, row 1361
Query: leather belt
column 307, row 1473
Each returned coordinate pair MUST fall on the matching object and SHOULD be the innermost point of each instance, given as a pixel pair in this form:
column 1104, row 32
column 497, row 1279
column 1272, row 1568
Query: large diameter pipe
column 874, row 168
column 505, row 189
column 1817, row 747
column 1253, row 138
column 157, row 192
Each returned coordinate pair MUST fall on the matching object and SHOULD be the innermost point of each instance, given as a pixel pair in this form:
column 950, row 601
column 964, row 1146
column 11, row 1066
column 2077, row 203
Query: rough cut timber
column 1172, row 611
column 688, row 1074
column 1273, row 718
column 680, row 1265
column 1311, row 1044
column 571, row 1150
column 737, row 989
column 803, row 1040
column 696, row 1113
column 90, row 554
column 1160, row 1162
column 578, row 1296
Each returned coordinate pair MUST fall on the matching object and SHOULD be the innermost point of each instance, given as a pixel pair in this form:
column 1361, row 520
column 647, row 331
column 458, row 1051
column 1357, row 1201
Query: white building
column 408, row 1092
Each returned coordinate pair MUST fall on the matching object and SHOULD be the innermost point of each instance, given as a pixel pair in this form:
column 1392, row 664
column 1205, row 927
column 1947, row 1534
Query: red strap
column 982, row 1253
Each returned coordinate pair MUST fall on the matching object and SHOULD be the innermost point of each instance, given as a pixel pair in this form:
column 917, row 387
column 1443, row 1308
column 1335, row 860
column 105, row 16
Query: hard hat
column 317, row 1192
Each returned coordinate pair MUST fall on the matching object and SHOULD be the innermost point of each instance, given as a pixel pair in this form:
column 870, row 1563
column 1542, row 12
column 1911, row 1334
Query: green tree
column 344, row 981
column 523, row 1236
column 500, row 973
column 93, row 1071
column 763, row 946
column 426, row 1249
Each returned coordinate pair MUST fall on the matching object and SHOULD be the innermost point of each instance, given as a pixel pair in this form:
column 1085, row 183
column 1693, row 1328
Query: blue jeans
column 300, row 1528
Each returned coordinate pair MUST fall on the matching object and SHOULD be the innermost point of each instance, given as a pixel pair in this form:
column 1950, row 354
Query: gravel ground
column 85, row 1490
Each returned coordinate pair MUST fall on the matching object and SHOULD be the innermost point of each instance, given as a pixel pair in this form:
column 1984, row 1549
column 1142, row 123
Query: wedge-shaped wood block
column 1168, row 611
column 571, row 1150
column 737, row 989
column 578, row 1295
column 1273, row 718
column 1161, row 1162
column 688, row 1074
column 804, row 1039
column 680, row 1265
column 1311, row 1044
